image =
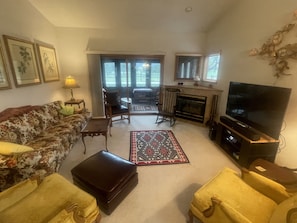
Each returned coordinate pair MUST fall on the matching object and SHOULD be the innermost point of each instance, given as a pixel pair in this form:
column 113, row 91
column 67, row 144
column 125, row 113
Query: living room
column 244, row 26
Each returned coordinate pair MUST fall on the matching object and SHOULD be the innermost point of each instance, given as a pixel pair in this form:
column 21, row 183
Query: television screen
column 258, row 106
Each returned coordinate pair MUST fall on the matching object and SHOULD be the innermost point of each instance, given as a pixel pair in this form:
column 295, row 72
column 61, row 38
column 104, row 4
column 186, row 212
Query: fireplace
column 204, row 100
column 191, row 107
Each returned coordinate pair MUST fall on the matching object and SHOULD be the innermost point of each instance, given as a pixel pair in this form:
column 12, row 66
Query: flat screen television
column 260, row 107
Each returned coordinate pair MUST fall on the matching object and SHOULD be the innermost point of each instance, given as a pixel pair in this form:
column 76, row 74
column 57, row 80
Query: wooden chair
column 114, row 107
column 166, row 105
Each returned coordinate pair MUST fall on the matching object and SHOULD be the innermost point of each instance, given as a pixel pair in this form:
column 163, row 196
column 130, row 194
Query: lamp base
column 72, row 98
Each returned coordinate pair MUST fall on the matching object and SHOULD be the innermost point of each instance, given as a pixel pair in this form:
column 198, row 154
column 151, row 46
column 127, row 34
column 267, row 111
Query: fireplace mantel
column 207, row 92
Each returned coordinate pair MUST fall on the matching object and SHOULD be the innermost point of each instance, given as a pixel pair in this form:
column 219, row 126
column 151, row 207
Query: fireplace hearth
column 191, row 107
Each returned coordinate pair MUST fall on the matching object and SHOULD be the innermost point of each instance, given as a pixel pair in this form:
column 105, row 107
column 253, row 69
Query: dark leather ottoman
column 107, row 177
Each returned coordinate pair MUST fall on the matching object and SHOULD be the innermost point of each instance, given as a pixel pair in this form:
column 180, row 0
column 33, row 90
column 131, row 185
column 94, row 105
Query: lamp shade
column 70, row 83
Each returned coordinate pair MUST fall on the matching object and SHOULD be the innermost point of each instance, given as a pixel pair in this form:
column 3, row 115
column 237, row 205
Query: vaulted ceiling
column 167, row 15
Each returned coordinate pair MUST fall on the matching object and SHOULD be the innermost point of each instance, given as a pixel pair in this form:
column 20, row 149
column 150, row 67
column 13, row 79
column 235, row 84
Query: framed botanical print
column 22, row 60
column 4, row 79
column 48, row 63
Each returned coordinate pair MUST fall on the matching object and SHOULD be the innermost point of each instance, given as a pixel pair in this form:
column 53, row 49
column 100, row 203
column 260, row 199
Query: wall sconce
column 70, row 83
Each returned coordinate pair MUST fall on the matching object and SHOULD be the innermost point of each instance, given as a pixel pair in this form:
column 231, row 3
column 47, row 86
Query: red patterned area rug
column 155, row 147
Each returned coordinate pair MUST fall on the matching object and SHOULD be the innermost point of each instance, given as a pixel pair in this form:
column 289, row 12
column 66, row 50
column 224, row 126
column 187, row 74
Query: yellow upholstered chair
column 53, row 200
column 249, row 198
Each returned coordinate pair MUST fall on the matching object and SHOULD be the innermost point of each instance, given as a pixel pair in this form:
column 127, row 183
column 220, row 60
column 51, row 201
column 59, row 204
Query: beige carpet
column 164, row 192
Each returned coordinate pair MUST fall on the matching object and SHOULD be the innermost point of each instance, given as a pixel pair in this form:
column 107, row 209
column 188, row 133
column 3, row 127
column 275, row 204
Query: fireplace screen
column 191, row 107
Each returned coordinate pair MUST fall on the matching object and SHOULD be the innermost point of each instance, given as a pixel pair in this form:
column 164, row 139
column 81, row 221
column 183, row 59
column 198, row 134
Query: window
column 141, row 70
column 110, row 74
column 211, row 67
column 155, row 74
column 125, row 79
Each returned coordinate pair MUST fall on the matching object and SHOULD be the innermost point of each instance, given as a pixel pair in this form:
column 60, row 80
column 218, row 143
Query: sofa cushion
column 50, row 149
column 12, row 112
column 16, row 130
column 7, row 148
column 50, row 114
column 33, row 121
column 284, row 209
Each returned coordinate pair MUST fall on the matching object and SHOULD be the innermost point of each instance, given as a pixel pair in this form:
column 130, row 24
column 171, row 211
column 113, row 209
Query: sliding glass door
column 130, row 74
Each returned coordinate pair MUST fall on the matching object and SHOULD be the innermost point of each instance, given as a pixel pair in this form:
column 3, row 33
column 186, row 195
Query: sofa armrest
column 63, row 216
column 234, row 215
column 16, row 193
column 69, row 214
column 266, row 186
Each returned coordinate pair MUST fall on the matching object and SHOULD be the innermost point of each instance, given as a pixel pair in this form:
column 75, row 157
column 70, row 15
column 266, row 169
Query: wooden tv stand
column 243, row 150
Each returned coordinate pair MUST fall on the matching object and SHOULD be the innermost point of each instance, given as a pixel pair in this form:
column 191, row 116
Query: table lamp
column 70, row 83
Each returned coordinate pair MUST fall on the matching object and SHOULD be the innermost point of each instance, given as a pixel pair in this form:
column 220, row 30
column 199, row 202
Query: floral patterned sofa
column 34, row 140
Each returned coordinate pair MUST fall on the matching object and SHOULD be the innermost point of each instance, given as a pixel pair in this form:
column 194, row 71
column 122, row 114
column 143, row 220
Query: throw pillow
column 7, row 148
column 67, row 110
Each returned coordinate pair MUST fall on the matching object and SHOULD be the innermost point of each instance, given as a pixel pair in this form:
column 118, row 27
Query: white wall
column 75, row 43
column 19, row 19
column 248, row 25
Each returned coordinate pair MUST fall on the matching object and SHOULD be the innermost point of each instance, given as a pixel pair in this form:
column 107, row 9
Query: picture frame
column 4, row 78
column 48, row 63
column 22, row 60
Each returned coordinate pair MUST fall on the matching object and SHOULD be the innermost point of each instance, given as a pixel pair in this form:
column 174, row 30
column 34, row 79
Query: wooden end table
column 76, row 102
column 96, row 127
column 282, row 175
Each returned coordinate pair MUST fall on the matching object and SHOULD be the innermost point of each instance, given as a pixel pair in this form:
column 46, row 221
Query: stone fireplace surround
column 198, row 92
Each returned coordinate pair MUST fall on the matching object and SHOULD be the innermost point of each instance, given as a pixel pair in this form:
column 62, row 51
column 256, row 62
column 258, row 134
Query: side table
column 76, row 102
column 96, row 127
column 282, row 175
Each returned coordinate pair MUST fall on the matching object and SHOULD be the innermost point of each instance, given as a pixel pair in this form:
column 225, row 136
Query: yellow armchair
column 53, row 200
column 249, row 198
